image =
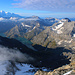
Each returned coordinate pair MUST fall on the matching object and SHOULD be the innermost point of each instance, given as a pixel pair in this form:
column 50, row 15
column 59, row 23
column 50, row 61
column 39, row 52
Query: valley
column 42, row 46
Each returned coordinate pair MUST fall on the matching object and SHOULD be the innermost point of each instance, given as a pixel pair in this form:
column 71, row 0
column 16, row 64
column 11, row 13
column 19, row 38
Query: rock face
column 64, row 70
column 60, row 71
column 62, row 33
column 30, row 27
column 6, row 26
column 45, row 39
column 68, row 69
column 24, row 30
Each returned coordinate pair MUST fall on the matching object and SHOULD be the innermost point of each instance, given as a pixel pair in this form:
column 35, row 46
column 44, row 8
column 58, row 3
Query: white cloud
column 7, row 55
column 12, row 54
column 49, row 5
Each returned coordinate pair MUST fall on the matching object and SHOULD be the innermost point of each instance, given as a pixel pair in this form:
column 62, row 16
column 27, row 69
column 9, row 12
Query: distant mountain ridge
column 8, row 14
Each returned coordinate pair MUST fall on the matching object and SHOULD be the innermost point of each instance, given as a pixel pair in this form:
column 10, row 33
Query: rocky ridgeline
column 60, row 34
column 68, row 69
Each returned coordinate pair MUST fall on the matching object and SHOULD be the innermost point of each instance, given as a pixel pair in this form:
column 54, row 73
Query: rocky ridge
column 68, row 69
column 30, row 28
column 61, row 34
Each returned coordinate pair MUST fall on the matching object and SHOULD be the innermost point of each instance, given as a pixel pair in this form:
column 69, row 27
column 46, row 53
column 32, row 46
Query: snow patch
column 73, row 48
column 68, row 73
column 1, row 19
column 58, row 26
column 59, row 31
column 73, row 35
column 3, row 67
column 30, row 30
column 26, row 69
column 6, row 12
column 13, row 18
column 22, row 24
column 68, row 41
column 25, row 25
column 23, row 69
column 34, row 27
column 60, row 42
column 1, row 11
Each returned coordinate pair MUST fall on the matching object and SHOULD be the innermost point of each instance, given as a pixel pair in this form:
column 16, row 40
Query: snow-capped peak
column 1, row 11
column 6, row 12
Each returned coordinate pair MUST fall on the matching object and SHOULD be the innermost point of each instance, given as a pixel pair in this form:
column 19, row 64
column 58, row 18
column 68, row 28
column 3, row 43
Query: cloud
column 7, row 54
column 49, row 5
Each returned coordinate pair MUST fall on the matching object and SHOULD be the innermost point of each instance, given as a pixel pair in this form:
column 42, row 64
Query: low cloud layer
column 13, row 55
column 49, row 5
column 9, row 58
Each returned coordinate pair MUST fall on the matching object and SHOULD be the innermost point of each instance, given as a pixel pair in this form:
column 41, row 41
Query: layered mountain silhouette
column 8, row 14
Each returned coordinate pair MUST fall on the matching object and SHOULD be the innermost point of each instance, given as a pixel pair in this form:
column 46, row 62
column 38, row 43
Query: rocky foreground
column 68, row 69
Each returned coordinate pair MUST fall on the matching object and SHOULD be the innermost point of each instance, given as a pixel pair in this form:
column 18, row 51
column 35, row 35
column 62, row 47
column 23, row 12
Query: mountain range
column 50, row 42
column 61, row 32
column 8, row 14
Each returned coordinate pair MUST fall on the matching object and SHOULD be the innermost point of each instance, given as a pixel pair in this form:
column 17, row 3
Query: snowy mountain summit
column 8, row 14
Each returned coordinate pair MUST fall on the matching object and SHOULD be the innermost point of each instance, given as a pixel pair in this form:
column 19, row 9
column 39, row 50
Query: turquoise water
column 23, row 40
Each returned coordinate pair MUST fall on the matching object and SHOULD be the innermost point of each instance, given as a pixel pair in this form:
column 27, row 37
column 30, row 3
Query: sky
column 41, row 8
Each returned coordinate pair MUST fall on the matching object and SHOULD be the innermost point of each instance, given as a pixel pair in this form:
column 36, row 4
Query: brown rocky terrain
column 61, row 34
column 68, row 69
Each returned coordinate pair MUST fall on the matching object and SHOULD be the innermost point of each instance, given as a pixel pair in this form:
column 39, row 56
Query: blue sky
column 42, row 8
